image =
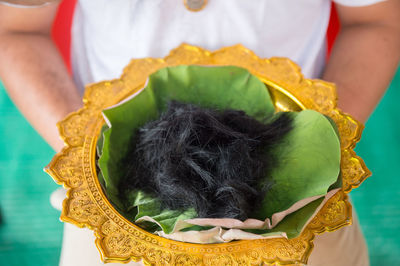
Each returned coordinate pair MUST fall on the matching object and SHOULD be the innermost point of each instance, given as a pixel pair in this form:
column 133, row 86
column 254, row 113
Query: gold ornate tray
column 118, row 240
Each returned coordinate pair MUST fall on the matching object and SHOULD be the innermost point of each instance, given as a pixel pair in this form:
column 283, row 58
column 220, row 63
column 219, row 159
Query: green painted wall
column 377, row 200
column 31, row 232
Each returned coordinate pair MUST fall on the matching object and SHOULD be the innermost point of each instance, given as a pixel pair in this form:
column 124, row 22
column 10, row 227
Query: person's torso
column 108, row 34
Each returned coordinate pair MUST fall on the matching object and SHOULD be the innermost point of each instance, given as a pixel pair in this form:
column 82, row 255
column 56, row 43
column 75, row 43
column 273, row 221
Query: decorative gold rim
column 118, row 240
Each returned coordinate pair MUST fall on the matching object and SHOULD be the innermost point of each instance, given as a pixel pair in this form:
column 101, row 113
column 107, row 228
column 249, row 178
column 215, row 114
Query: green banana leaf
column 292, row 224
column 99, row 150
column 150, row 206
column 213, row 87
column 308, row 163
column 311, row 151
column 309, row 156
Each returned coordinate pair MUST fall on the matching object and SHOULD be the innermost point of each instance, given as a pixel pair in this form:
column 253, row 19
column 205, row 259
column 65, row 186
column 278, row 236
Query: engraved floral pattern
column 118, row 240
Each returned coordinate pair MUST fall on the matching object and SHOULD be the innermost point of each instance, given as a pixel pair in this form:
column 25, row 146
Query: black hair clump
column 214, row 161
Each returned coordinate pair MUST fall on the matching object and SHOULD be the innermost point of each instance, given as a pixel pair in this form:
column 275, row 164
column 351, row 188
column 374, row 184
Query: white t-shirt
column 108, row 34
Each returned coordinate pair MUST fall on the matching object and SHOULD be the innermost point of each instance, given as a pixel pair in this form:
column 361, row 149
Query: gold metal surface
column 118, row 240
